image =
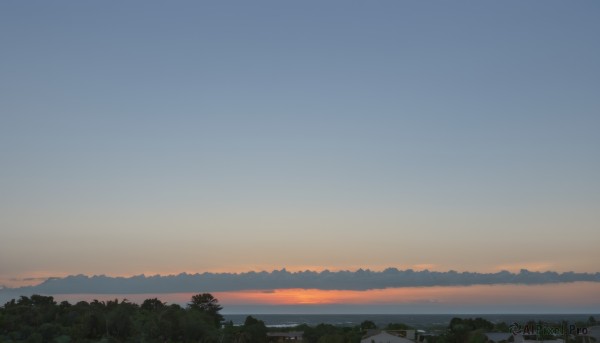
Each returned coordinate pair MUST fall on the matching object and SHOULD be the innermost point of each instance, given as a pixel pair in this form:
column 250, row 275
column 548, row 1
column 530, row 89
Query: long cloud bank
column 281, row 279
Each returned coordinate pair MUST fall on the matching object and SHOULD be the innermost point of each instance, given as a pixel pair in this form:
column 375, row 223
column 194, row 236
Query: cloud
column 40, row 279
column 361, row 279
column 424, row 266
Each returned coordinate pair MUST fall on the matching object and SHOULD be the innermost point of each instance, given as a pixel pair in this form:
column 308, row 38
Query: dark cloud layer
column 277, row 279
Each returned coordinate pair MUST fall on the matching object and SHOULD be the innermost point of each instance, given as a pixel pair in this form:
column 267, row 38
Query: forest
column 40, row 319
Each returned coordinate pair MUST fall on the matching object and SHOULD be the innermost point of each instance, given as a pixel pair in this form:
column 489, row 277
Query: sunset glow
column 573, row 293
column 435, row 299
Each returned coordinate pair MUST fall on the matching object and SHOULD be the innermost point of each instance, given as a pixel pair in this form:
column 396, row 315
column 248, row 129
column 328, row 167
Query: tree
column 367, row 325
column 40, row 319
column 119, row 321
column 208, row 304
column 256, row 330
column 152, row 305
column 501, row 327
column 197, row 326
column 332, row 338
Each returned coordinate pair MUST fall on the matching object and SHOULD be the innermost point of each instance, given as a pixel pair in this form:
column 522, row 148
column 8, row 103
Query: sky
column 159, row 138
column 484, row 299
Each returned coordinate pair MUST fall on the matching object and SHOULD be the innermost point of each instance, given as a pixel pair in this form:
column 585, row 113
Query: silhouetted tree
column 152, row 305
column 255, row 330
column 367, row 325
column 41, row 319
column 208, row 304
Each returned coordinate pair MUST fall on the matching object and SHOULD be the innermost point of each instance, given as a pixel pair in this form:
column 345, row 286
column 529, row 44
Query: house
column 496, row 337
column 385, row 337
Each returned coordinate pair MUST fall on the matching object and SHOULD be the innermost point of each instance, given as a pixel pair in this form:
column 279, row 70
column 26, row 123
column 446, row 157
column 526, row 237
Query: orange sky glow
column 572, row 294
column 579, row 293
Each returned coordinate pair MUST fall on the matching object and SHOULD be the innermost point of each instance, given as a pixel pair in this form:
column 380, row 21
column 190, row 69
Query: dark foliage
column 40, row 319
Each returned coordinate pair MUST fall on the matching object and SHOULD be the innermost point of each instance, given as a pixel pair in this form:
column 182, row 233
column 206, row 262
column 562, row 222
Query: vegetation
column 466, row 330
column 327, row 333
column 253, row 331
column 40, row 319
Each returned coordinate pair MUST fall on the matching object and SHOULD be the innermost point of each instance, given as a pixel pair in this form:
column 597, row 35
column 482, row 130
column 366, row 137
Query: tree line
column 41, row 319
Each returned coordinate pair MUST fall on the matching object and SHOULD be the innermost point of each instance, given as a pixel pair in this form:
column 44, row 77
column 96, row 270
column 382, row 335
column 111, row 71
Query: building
column 496, row 337
column 386, row 337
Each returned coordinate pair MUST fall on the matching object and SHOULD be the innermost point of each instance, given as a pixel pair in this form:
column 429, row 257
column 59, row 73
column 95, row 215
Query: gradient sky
column 580, row 297
column 154, row 137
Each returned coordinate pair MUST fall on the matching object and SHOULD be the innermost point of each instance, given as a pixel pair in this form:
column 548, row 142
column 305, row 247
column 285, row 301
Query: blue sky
column 168, row 137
